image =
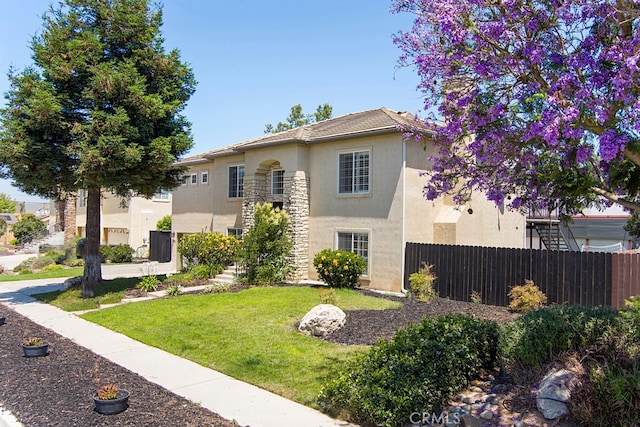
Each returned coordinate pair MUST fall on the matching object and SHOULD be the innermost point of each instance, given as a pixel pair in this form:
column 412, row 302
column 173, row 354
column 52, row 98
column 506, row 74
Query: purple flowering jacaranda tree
column 538, row 100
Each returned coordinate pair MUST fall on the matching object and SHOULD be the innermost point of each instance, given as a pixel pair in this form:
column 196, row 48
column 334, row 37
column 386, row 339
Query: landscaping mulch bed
column 57, row 389
column 367, row 326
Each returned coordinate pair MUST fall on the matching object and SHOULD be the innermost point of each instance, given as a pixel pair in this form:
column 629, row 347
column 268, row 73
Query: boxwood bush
column 419, row 370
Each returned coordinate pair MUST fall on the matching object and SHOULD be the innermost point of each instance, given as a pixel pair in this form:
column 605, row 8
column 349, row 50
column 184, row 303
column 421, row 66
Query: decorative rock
column 486, row 415
column 519, row 424
column 322, row 320
column 467, row 399
column 553, row 393
column 476, row 389
column 470, row 421
column 72, row 282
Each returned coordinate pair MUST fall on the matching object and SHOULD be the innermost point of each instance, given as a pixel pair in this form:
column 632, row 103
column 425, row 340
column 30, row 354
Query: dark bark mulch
column 367, row 326
column 57, row 389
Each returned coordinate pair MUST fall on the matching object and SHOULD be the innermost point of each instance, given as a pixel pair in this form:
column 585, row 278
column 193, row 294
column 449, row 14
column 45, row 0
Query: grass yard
column 249, row 335
column 54, row 274
column 108, row 292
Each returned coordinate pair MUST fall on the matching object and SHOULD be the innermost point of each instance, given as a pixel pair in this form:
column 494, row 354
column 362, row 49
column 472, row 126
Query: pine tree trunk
column 92, row 268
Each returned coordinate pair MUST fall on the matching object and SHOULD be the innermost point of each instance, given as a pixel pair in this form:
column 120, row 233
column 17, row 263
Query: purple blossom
column 551, row 87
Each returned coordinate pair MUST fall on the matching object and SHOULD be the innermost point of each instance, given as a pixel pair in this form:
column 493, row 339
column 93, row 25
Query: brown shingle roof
column 377, row 121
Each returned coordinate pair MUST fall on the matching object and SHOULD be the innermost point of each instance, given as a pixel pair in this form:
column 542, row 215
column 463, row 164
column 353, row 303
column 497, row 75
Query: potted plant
column 111, row 400
column 34, row 347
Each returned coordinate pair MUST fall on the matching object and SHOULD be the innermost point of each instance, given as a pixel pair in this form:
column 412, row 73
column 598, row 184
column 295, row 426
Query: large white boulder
column 322, row 320
column 554, row 393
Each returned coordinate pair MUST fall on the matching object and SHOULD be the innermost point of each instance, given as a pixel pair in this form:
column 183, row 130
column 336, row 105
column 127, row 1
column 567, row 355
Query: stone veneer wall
column 296, row 189
column 296, row 203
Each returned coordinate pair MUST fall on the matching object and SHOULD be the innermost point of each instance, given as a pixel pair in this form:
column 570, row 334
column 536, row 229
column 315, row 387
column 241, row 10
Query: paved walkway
column 232, row 399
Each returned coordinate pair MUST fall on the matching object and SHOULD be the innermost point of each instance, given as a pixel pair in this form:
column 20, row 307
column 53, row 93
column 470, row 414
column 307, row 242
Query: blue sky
column 253, row 60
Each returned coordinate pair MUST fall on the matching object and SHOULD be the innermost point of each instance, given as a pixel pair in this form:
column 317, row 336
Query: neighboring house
column 592, row 231
column 352, row 182
column 128, row 221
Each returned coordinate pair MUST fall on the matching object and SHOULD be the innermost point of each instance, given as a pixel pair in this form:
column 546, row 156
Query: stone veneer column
column 296, row 203
column 248, row 203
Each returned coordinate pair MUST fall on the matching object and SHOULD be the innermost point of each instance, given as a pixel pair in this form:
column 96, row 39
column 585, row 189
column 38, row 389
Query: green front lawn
column 249, row 335
column 108, row 292
column 54, row 274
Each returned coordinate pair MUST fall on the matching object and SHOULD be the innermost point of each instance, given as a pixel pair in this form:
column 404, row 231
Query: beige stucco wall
column 378, row 213
column 206, row 207
column 128, row 224
column 442, row 221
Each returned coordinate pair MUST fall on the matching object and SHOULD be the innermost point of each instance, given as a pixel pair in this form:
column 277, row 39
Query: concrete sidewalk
column 232, row 399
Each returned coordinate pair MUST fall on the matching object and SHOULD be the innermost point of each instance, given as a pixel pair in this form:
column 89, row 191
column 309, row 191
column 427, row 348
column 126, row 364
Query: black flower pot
column 112, row 406
column 35, row 350
column 2, row 320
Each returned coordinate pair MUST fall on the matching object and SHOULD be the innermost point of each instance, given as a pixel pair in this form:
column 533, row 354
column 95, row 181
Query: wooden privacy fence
column 589, row 279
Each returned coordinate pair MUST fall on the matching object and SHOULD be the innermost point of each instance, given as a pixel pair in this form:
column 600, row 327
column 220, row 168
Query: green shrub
column 73, row 262
column 121, row 253
column 105, row 253
column 29, row 228
column 25, row 271
column 174, row 290
column 339, row 269
column 164, row 223
column 41, row 262
column 217, row 288
column 536, row 337
column 526, row 297
column 52, row 267
column 34, row 263
column 266, row 247
column 212, row 249
column 149, row 283
column 610, row 391
column 421, row 284
column 420, row 369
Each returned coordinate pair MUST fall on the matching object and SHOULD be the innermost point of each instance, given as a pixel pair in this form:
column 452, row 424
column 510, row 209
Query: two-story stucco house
column 352, row 182
column 125, row 222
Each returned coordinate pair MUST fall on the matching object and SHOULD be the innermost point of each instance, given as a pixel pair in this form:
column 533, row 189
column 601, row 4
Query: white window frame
column 161, row 196
column 233, row 231
column 360, row 179
column 194, row 179
column 185, row 180
column 204, row 177
column 356, row 244
column 238, row 190
column 276, row 191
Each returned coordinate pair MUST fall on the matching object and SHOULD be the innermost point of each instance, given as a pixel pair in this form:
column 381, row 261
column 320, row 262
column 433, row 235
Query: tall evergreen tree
column 100, row 110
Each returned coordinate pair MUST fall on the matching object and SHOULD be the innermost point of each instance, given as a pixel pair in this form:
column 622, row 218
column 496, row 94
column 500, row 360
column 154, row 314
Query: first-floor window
column 356, row 242
column 236, row 232
column 236, row 181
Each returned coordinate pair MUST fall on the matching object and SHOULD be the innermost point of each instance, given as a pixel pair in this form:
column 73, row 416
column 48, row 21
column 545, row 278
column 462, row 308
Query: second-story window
column 236, row 181
column 353, row 171
column 204, row 177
